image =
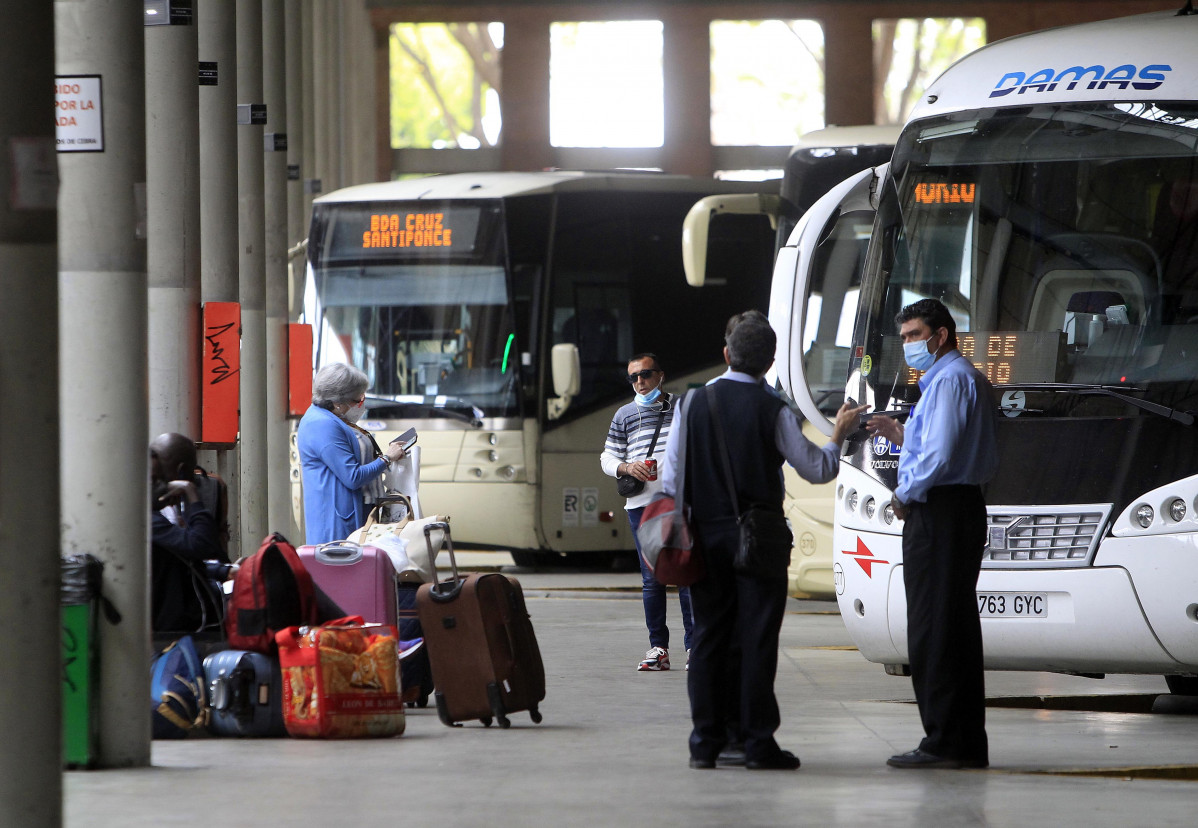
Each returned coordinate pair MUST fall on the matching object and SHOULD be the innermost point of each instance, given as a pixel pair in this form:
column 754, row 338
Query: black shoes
column 734, row 757
column 782, row 760
column 920, row 759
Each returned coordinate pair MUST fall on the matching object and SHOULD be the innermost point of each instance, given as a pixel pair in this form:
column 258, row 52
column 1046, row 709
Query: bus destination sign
column 407, row 230
column 1003, row 357
column 386, row 231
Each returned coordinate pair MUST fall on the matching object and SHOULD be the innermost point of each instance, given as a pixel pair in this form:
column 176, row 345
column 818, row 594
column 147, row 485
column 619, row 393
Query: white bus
column 817, row 162
column 496, row 313
column 1046, row 190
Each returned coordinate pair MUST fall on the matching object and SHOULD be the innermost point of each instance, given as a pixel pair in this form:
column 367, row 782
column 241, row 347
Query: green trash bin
column 82, row 577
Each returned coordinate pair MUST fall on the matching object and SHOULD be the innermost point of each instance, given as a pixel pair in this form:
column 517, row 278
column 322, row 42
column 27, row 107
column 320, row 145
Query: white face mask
column 355, row 413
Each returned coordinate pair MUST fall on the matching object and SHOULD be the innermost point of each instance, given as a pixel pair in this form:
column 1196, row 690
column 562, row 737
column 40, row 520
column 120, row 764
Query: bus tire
column 1182, row 685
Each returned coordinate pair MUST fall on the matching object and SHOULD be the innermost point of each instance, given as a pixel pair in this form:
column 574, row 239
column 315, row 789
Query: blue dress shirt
column 814, row 464
column 949, row 439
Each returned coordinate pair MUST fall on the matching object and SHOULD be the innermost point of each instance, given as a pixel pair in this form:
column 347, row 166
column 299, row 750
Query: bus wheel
column 525, row 558
column 1182, row 685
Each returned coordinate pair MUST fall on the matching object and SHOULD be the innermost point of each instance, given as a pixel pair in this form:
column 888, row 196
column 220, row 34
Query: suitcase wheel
column 535, row 715
column 496, row 700
column 443, row 711
column 486, row 720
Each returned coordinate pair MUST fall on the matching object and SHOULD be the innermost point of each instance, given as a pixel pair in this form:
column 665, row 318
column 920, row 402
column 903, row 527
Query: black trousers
column 731, row 612
column 942, row 555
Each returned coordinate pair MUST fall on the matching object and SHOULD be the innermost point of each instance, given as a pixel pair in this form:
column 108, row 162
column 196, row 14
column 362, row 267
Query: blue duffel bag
column 177, row 690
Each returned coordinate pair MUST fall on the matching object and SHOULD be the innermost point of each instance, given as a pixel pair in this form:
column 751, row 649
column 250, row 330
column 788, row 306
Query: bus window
column 416, row 295
column 618, row 288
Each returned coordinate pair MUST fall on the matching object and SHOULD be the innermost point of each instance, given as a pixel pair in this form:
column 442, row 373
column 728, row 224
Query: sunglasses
column 646, row 374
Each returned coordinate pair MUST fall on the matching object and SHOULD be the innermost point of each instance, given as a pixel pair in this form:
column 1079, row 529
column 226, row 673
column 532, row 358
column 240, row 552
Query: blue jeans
column 654, row 596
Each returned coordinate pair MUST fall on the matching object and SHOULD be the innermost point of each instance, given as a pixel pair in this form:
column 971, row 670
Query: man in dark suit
column 730, row 606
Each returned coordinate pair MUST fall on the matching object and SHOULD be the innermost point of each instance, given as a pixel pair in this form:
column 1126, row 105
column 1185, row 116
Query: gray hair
column 338, row 383
column 751, row 343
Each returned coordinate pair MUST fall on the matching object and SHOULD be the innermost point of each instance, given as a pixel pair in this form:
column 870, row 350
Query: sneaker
column 657, row 658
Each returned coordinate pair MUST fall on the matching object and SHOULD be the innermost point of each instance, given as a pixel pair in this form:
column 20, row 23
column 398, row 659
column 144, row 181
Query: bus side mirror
column 696, row 227
column 567, row 377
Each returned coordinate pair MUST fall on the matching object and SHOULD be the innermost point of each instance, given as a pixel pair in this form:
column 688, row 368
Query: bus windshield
column 415, row 294
column 1064, row 241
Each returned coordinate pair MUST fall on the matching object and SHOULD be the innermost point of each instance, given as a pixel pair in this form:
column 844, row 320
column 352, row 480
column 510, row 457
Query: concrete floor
column 612, row 749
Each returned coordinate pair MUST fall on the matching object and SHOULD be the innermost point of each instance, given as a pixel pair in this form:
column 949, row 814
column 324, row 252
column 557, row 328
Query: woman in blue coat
column 333, row 473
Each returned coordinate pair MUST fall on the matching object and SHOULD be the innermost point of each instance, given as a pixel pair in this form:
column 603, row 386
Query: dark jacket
column 750, row 415
column 178, row 581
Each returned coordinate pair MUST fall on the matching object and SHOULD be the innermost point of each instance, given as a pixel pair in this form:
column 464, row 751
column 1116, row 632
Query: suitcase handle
column 338, row 553
column 442, row 591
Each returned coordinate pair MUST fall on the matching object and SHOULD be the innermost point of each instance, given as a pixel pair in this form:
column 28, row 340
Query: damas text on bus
column 414, row 230
column 1047, row 80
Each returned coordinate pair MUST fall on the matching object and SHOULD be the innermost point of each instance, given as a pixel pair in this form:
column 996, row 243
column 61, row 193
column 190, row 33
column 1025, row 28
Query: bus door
column 813, row 307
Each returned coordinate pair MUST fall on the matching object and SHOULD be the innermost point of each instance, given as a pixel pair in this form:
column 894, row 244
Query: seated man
column 183, row 537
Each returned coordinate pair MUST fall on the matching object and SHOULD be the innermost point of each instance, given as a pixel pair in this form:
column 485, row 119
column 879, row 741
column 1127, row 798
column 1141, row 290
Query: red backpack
column 271, row 591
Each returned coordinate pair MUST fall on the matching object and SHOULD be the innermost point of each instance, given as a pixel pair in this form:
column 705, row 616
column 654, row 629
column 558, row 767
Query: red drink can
column 652, row 464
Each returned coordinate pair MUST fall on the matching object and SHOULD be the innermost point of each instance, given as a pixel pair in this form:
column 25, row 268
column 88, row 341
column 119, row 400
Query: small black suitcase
column 245, row 691
column 480, row 641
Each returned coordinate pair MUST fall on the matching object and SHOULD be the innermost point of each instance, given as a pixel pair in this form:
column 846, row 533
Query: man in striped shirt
column 636, row 441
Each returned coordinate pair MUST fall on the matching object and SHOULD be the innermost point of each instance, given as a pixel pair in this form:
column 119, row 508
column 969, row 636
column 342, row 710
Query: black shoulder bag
column 765, row 537
column 626, row 484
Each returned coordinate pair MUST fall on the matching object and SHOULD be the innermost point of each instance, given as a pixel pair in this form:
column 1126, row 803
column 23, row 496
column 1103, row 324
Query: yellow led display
column 407, row 230
column 940, row 192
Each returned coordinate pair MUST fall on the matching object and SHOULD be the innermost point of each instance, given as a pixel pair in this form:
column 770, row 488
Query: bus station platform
column 612, row 747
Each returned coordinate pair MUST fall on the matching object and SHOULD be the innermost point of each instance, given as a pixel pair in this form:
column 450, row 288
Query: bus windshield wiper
column 451, row 407
column 1116, row 391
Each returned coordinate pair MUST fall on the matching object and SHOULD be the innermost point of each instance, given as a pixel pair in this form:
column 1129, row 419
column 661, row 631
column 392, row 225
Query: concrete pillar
column 216, row 27
column 102, row 317
column 251, row 270
column 384, row 161
column 525, row 59
column 297, row 218
column 686, row 61
column 278, row 507
column 173, row 228
column 848, row 69
column 357, row 93
column 30, row 717
column 326, row 103
column 315, row 135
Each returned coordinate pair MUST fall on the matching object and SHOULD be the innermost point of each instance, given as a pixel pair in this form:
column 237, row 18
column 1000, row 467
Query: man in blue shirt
column 949, row 452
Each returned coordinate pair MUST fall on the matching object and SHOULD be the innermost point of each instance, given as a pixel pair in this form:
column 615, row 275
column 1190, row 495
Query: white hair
column 338, row 383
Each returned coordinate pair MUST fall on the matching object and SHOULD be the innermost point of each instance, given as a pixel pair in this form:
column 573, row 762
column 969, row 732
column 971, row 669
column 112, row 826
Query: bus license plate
column 1013, row 604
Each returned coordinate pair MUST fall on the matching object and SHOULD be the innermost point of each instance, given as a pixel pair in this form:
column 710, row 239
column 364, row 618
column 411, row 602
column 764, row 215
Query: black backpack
column 214, row 495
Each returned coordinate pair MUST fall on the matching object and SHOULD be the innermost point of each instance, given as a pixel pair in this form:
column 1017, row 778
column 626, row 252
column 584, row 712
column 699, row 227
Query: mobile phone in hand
column 407, row 439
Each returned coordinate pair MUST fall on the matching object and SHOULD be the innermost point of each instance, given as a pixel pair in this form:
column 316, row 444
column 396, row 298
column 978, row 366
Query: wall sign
column 78, row 113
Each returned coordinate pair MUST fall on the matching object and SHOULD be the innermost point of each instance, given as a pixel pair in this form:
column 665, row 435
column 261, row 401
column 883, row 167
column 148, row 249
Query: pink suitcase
column 360, row 579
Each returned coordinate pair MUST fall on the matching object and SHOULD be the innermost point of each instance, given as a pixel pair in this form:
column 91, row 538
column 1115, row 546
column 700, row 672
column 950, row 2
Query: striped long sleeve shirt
column 628, row 439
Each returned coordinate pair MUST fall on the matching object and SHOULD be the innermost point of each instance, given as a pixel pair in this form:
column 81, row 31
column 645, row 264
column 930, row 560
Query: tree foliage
column 444, row 76
column 911, row 53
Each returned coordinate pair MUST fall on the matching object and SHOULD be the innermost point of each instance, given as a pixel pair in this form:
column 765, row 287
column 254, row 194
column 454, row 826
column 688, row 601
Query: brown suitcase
column 481, row 645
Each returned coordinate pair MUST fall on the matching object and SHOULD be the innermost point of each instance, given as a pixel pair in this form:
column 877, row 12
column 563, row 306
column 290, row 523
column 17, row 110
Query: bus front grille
column 1043, row 535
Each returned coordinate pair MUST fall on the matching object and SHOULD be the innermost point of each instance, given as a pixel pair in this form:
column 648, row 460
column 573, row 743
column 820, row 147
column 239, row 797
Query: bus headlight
column 888, row 514
column 1144, row 515
column 871, row 508
column 1177, row 509
column 850, row 500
